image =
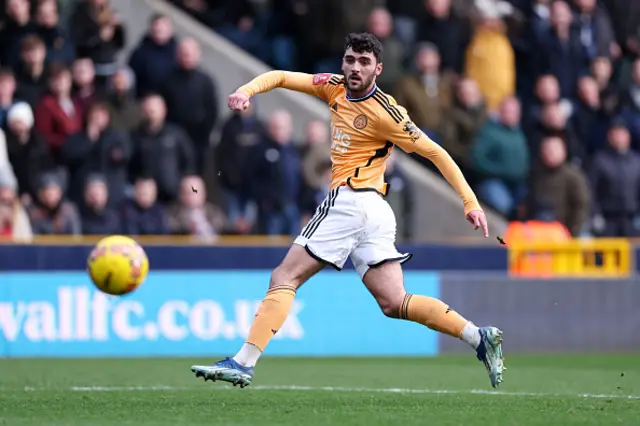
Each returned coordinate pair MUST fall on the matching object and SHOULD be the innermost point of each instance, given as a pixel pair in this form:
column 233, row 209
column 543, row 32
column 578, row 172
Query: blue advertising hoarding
column 200, row 313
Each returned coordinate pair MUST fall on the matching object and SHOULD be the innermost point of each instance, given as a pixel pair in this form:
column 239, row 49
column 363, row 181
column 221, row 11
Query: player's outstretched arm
column 411, row 139
column 319, row 85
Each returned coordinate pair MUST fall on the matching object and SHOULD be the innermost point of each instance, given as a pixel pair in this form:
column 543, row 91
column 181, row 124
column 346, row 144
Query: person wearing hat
column 27, row 151
column 50, row 213
column 615, row 184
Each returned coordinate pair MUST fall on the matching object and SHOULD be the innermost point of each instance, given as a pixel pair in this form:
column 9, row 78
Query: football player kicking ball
column 355, row 220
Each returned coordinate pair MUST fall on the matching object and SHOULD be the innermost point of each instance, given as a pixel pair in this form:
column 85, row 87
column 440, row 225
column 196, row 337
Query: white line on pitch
column 347, row 389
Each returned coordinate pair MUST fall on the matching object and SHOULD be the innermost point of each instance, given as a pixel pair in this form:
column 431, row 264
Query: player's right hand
column 238, row 101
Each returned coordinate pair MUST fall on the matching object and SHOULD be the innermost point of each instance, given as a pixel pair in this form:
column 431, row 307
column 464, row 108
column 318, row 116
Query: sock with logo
column 271, row 315
column 438, row 316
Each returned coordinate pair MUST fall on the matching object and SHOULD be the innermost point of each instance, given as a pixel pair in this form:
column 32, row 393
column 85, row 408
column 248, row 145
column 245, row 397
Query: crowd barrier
column 200, row 300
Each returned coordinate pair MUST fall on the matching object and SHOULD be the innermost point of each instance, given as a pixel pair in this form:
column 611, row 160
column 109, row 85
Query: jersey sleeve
column 320, row 85
column 397, row 127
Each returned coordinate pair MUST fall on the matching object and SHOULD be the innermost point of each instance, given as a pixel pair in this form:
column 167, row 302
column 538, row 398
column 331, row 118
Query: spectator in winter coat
column 427, row 94
column 14, row 222
column 400, row 198
column 50, row 213
column 155, row 56
column 85, row 92
column 500, row 155
column 380, row 24
column 31, row 72
column 16, row 25
column 162, row 150
column 631, row 106
column 98, row 149
column 275, row 174
column 28, row 153
column 560, row 188
column 143, row 215
column 58, row 116
column 192, row 214
column 241, row 134
column 98, row 34
column 615, row 184
column 316, row 164
column 191, row 98
column 125, row 109
column 96, row 215
column 596, row 32
column 59, row 44
column 589, row 119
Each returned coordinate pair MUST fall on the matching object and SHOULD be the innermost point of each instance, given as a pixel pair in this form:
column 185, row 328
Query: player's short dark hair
column 364, row 42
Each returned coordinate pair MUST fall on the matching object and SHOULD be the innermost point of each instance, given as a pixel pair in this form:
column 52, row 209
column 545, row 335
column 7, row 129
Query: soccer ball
column 117, row 265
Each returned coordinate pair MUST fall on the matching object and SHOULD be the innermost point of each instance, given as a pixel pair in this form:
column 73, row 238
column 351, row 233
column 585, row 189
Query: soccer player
column 354, row 220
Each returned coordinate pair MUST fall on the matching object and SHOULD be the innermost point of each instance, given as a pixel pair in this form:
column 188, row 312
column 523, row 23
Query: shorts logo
column 413, row 130
column 320, row 79
column 360, row 122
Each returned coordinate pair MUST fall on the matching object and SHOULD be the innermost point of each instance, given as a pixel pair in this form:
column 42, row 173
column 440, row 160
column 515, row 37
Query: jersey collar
column 365, row 97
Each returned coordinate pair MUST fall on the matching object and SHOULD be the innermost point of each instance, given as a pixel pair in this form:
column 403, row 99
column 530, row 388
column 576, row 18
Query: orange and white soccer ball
column 118, row 265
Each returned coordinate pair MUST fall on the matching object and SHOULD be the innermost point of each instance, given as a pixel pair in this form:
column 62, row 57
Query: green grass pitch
column 538, row 390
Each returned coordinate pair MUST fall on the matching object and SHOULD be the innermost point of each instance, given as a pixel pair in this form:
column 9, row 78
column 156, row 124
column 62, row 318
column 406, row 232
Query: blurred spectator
column 237, row 20
column 315, row 166
column 14, row 222
column 554, row 122
column 380, row 24
column 589, row 120
column 400, row 198
column 191, row 98
column 559, row 191
column 96, row 215
column 58, row 116
column 50, row 213
column 98, row 149
column 16, row 25
column 241, row 134
column 547, row 92
column 596, row 32
column 192, row 214
column 84, row 83
column 428, row 94
column 287, row 35
column 561, row 52
column 490, row 61
column 615, row 184
column 275, row 171
column 155, row 56
column 125, row 110
column 31, row 72
column 143, row 215
column 405, row 13
column 500, row 155
column 468, row 115
column 625, row 18
column 162, row 150
column 7, row 95
column 631, row 107
column 4, row 153
column 98, row 34
column 602, row 71
column 28, row 153
column 59, row 44
column 451, row 33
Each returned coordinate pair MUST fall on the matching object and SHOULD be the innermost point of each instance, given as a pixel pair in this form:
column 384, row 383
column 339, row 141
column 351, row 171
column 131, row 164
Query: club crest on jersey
column 320, row 79
column 360, row 122
column 413, row 130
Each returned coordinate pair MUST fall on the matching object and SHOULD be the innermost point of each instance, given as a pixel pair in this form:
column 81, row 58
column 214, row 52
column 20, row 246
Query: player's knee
column 390, row 307
column 282, row 276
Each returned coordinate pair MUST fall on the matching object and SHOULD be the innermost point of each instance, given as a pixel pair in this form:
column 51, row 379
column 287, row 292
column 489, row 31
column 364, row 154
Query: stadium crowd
column 538, row 101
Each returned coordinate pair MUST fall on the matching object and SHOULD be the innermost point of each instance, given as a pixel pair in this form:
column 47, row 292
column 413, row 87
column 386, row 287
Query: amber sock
column 434, row 314
column 271, row 315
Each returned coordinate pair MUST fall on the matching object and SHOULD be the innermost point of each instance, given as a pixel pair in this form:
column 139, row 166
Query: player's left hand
column 478, row 220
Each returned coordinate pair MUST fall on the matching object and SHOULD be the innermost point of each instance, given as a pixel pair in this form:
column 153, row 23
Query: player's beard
column 361, row 85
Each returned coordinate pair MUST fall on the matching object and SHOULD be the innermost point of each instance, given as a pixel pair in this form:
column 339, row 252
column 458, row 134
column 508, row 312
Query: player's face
column 360, row 70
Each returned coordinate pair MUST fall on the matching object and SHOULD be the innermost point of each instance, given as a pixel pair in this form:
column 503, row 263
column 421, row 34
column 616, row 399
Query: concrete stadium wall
column 547, row 315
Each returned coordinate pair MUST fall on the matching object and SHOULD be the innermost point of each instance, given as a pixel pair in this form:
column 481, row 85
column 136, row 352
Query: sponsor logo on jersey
column 320, row 79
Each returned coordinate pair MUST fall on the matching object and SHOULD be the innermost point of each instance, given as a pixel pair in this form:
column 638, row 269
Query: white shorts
column 360, row 224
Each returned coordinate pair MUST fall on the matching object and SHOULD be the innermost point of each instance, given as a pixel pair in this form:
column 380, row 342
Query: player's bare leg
column 386, row 284
column 296, row 268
